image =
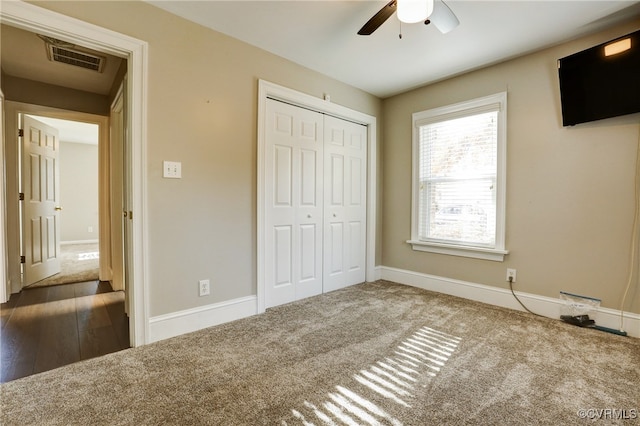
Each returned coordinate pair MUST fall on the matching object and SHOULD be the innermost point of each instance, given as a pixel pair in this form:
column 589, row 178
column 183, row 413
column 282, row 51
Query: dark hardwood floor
column 47, row 327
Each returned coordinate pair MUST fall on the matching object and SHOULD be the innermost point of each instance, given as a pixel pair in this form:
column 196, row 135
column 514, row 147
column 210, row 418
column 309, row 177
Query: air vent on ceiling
column 75, row 57
column 68, row 53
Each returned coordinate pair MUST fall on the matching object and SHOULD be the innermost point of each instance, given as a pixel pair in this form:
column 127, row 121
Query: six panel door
column 345, row 213
column 315, row 196
column 293, row 214
column 41, row 188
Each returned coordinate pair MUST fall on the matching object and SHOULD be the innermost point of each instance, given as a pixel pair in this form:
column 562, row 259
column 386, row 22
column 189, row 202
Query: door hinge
column 21, row 196
column 23, row 259
column 20, row 133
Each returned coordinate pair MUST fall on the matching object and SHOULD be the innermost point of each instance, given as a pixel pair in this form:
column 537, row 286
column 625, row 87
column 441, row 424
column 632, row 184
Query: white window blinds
column 457, row 178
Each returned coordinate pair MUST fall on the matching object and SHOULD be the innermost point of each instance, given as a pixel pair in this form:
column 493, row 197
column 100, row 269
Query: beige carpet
column 78, row 263
column 372, row 354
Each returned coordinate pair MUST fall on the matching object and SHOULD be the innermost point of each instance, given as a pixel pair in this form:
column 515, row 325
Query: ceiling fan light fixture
column 412, row 11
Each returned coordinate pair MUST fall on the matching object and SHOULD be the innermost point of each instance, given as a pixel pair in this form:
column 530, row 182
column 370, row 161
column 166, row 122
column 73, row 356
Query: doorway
column 48, row 326
column 19, row 221
column 41, row 21
column 76, row 213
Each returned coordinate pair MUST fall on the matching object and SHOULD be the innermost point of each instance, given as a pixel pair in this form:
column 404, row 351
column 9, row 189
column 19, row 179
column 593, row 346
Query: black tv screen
column 601, row 82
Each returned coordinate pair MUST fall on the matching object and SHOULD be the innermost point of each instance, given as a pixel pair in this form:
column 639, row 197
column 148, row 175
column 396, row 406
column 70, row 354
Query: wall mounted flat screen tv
column 601, row 82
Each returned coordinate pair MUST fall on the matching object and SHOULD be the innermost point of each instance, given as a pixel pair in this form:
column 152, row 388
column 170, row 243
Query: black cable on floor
column 520, row 302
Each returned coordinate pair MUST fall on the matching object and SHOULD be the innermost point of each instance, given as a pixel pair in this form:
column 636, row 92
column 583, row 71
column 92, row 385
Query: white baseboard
column 63, row 243
column 176, row 323
column 377, row 273
column 546, row 306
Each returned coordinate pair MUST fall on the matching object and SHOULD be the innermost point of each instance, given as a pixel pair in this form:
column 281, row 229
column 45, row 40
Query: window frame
column 462, row 109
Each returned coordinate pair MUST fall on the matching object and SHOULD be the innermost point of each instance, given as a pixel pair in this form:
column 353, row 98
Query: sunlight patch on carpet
column 417, row 359
column 89, row 255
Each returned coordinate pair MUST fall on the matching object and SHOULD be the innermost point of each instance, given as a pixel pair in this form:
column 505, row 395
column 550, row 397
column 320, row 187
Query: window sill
column 495, row 255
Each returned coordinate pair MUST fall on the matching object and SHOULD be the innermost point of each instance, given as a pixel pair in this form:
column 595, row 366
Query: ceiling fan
column 411, row 11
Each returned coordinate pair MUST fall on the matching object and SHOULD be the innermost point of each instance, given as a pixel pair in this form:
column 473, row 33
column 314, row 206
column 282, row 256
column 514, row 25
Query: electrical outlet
column 204, row 287
column 511, row 275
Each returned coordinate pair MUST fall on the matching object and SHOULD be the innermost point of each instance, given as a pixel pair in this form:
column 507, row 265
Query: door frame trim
column 266, row 90
column 43, row 21
column 4, row 282
column 115, row 216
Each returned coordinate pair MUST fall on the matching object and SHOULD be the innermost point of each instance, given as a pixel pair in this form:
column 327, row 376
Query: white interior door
column 41, row 205
column 345, row 211
column 293, row 198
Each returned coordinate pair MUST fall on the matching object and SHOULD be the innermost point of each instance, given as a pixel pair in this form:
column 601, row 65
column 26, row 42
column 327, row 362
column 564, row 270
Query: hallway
column 48, row 327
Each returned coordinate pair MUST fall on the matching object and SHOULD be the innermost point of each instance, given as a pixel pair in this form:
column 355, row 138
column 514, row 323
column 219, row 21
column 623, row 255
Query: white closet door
column 345, row 213
column 293, row 197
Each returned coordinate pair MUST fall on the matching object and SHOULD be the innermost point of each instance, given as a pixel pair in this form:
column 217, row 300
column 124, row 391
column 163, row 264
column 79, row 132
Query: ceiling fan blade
column 443, row 18
column 378, row 19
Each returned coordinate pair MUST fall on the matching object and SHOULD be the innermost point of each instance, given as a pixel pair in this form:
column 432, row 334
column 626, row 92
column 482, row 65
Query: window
column 459, row 167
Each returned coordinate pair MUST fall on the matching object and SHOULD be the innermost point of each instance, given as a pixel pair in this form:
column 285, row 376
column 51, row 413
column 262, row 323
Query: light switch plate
column 172, row 169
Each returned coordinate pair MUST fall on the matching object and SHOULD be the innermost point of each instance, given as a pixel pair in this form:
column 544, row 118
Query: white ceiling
column 321, row 35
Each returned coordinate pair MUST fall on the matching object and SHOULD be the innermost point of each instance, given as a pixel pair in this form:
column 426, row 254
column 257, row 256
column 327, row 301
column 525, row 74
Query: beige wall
column 202, row 112
column 569, row 190
column 569, row 205
column 34, row 92
column 78, row 191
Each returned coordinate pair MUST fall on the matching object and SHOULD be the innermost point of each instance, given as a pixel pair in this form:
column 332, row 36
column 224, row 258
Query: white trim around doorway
column 4, row 282
column 42, row 21
column 274, row 91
